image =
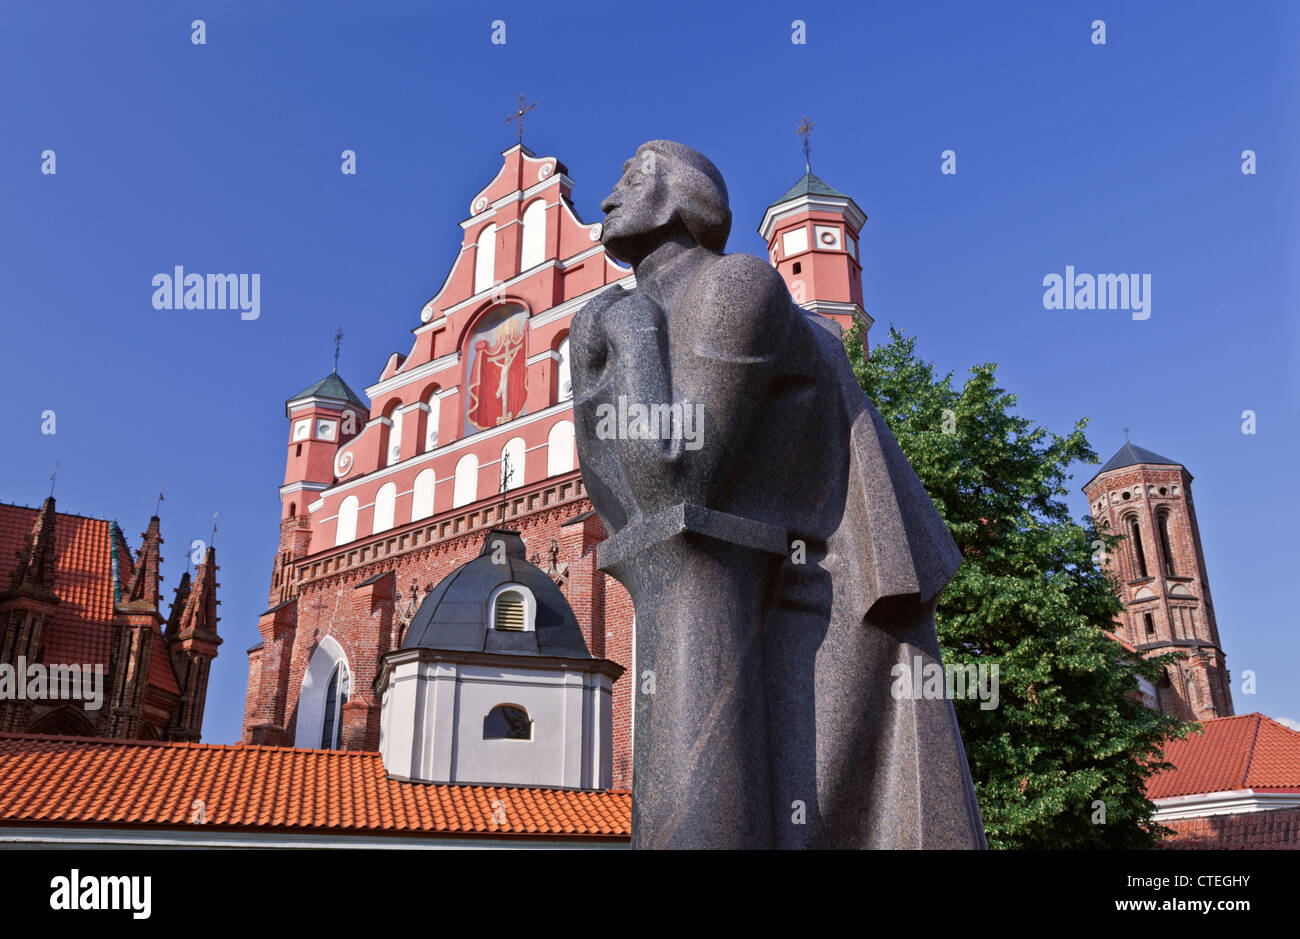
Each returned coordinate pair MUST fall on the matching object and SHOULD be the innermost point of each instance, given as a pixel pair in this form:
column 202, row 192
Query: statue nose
column 609, row 203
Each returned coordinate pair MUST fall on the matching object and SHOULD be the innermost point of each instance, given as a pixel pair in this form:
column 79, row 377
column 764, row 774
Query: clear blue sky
column 225, row 157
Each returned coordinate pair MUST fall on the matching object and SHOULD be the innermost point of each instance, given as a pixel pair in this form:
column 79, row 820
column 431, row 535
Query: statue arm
column 589, row 344
column 737, row 320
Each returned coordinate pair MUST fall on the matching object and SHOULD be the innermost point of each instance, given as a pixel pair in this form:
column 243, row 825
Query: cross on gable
column 520, row 111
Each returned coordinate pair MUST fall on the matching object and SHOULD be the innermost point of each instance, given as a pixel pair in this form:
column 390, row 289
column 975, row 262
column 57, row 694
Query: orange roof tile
column 1274, row 829
column 79, row 631
column 91, row 781
column 1249, row 751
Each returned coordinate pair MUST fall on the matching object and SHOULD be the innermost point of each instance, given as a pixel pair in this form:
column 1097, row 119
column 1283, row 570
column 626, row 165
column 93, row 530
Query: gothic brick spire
column 179, row 602
column 146, row 580
column 34, row 575
column 192, row 642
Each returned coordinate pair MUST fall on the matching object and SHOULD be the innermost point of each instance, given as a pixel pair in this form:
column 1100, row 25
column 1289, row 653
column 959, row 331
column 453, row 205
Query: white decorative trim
column 840, row 205
column 462, row 444
column 427, row 370
column 542, row 357
column 561, row 310
column 1229, row 802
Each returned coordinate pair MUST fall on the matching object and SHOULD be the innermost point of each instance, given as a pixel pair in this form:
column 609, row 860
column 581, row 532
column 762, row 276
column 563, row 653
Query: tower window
column 1149, row 624
column 1167, row 555
column 798, row 267
column 299, row 451
column 507, row 722
column 1135, row 533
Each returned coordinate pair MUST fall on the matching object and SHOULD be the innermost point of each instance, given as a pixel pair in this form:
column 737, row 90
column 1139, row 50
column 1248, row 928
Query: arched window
column 513, row 608
column 422, row 496
column 1166, row 551
column 395, row 437
column 533, row 249
column 466, row 487
column 559, row 449
column 325, row 688
column 336, row 695
column 385, row 506
column 485, row 259
column 1135, row 535
column 345, row 528
column 565, row 377
column 512, row 464
column 431, row 425
column 507, row 722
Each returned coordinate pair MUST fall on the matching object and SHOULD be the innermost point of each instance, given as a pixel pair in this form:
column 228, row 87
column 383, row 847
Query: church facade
column 471, row 430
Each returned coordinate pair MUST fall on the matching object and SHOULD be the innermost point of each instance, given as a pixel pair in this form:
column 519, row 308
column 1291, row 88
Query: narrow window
column 1167, row 555
column 798, row 267
column 1135, row 533
column 507, row 722
column 1149, row 624
column 336, row 695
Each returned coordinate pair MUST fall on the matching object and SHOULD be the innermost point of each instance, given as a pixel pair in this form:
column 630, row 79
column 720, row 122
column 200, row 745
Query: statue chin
column 622, row 247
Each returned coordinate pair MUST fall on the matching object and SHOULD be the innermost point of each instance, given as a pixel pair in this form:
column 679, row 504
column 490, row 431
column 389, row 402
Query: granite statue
column 781, row 554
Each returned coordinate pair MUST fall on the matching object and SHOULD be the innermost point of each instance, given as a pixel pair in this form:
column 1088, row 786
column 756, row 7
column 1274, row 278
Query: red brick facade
column 1163, row 583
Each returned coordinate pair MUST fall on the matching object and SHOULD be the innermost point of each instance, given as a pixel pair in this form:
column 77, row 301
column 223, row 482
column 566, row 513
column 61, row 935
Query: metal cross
column 519, row 116
column 157, row 505
column 338, row 341
column 54, row 477
column 804, row 130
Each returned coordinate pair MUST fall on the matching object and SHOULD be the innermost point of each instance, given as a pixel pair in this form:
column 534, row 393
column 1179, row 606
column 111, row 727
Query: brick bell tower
column 1147, row 498
column 322, row 417
column 812, row 240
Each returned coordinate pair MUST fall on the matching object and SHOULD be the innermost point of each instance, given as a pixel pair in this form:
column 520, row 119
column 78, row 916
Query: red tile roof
column 89, row 781
column 79, row 631
column 1275, row 829
column 1249, row 751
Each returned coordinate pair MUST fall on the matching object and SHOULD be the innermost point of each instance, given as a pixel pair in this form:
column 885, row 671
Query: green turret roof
column 331, row 386
column 810, row 185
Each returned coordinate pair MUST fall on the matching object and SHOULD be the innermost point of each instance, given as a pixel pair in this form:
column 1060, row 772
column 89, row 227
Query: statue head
column 666, row 186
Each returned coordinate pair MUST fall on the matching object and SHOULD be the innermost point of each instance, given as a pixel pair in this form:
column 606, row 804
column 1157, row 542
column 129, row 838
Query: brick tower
column 1147, row 499
column 812, row 240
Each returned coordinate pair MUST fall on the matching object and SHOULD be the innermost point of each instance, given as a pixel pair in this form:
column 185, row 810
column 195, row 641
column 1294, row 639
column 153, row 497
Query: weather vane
column 338, row 341
column 158, row 505
column 53, row 477
column 804, row 130
column 519, row 116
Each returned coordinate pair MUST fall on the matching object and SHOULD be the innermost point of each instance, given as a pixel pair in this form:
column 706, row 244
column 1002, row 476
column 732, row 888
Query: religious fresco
column 497, row 390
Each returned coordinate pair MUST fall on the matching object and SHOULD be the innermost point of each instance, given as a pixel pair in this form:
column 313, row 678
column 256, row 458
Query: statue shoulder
column 587, row 324
column 748, row 306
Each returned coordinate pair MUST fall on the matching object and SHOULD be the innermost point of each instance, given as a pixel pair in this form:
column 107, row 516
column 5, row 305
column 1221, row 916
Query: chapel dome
column 457, row 614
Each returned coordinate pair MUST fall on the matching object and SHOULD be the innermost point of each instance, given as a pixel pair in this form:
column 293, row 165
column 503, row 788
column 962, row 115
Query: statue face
column 639, row 208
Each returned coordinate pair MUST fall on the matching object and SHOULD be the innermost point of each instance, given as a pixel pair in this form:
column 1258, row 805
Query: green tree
column 1067, row 733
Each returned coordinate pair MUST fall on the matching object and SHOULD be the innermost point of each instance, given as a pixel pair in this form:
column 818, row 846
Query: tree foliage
column 1067, row 744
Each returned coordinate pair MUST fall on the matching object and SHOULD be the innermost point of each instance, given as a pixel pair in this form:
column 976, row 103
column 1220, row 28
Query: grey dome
column 454, row 616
